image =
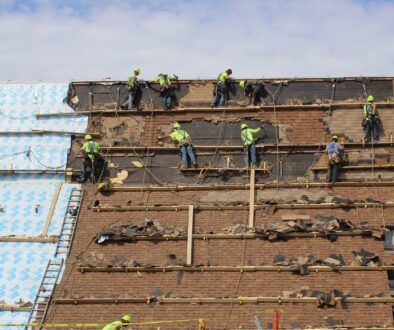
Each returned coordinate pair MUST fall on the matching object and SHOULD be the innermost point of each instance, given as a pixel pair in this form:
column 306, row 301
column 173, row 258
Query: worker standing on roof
column 93, row 159
column 166, row 89
column 118, row 325
column 134, row 90
column 221, row 89
column 184, row 140
column 254, row 90
column 334, row 152
column 371, row 121
column 249, row 140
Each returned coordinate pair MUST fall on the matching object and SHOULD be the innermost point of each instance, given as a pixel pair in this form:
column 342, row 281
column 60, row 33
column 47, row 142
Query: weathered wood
column 223, row 300
column 301, row 185
column 238, row 269
column 23, row 238
column 189, row 252
column 51, row 209
column 15, row 308
column 358, row 167
column 251, row 197
column 294, row 217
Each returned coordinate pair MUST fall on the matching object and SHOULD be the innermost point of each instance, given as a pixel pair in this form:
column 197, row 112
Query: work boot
column 81, row 180
column 195, row 165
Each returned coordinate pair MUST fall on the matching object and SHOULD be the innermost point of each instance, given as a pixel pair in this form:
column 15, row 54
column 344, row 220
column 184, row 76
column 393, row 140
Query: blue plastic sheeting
column 22, row 269
column 26, row 206
column 13, row 317
column 19, row 103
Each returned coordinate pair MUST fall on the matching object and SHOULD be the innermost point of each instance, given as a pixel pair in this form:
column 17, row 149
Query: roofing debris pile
column 327, row 225
column 130, row 232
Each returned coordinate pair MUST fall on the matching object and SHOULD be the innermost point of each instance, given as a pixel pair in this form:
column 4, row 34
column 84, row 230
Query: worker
column 118, row 325
column 334, row 152
column 254, row 90
column 249, row 142
column 221, row 89
column 184, row 140
column 166, row 89
column 135, row 91
column 371, row 121
column 93, row 159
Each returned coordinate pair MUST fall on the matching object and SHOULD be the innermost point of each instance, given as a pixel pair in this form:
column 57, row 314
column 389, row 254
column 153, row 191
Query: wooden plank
column 358, row 167
column 51, row 209
column 251, row 197
column 295, row 217
column 189, row 252
column 15, row 308
column 35, row 239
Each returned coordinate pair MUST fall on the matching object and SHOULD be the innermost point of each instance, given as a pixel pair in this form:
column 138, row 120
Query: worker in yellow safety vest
column 118, row 325
column 185, row 142
column 93, row 159
column 249, row 141
column 371, row 121
column 221, row 89
column 134, row 90
column 167, row 89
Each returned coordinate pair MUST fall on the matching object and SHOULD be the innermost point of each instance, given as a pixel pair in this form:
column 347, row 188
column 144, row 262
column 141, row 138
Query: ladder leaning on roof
column 45, row 292
column 70, row 222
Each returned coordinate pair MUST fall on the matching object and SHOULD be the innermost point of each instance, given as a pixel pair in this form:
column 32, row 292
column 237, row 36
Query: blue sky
column 94, row 39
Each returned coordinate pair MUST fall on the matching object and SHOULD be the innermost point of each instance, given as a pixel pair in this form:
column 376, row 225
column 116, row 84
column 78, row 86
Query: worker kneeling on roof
column 254, row 90
column 334, row 152
column 166, row 89
column 118, row 325
column 249, row 142
column 184, row 140
column 371, row 121
column 93, row 159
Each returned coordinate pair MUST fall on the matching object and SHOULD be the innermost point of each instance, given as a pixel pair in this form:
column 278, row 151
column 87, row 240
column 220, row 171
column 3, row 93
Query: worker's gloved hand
column 262, row 126
column 175, row 76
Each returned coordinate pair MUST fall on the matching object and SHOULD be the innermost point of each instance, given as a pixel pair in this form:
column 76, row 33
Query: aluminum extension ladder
column 45, row 292
column 66, row 236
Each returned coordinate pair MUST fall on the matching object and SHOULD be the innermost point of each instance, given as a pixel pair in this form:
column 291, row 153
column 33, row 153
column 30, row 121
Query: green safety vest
column 222, row 77
column 180, row 136
column 132, row 80
column 116, row 325
column 368, row 111
column 164, row 79
column 91, row 148
column 247, row 135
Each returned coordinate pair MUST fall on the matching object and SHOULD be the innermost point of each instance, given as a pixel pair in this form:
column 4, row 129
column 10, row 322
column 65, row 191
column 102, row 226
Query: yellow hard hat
column 88, row 137
column 242, row 83
column 137, row 70
column 177, row 125
column 126, row 318
column 243, row 126
column 334, row 137
column 370, row 98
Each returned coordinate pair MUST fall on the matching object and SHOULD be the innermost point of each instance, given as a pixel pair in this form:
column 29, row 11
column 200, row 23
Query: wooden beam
column 15, row 308
column 358, row 167
column 51, row 209
column 23, row 238
column 248, row 235
column 279, row 107
column 38, row 132
column 221, row 300
column 189, row 252
column 237, row 269
column 239, row 207
column 216, row 169
column 261, row 186
column 251, row 197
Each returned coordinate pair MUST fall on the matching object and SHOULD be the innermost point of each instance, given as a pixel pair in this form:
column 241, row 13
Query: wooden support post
column 189, row 252
column 251, row 197
column 51, row 209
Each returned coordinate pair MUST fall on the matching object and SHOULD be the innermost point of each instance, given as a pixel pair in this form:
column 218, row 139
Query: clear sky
column 94, row 39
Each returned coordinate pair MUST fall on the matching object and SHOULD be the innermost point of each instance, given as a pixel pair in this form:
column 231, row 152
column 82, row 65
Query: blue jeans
column 167, row 98
column 250, row 154
column 187, row 150
column 371, row 128
column 220, row 97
